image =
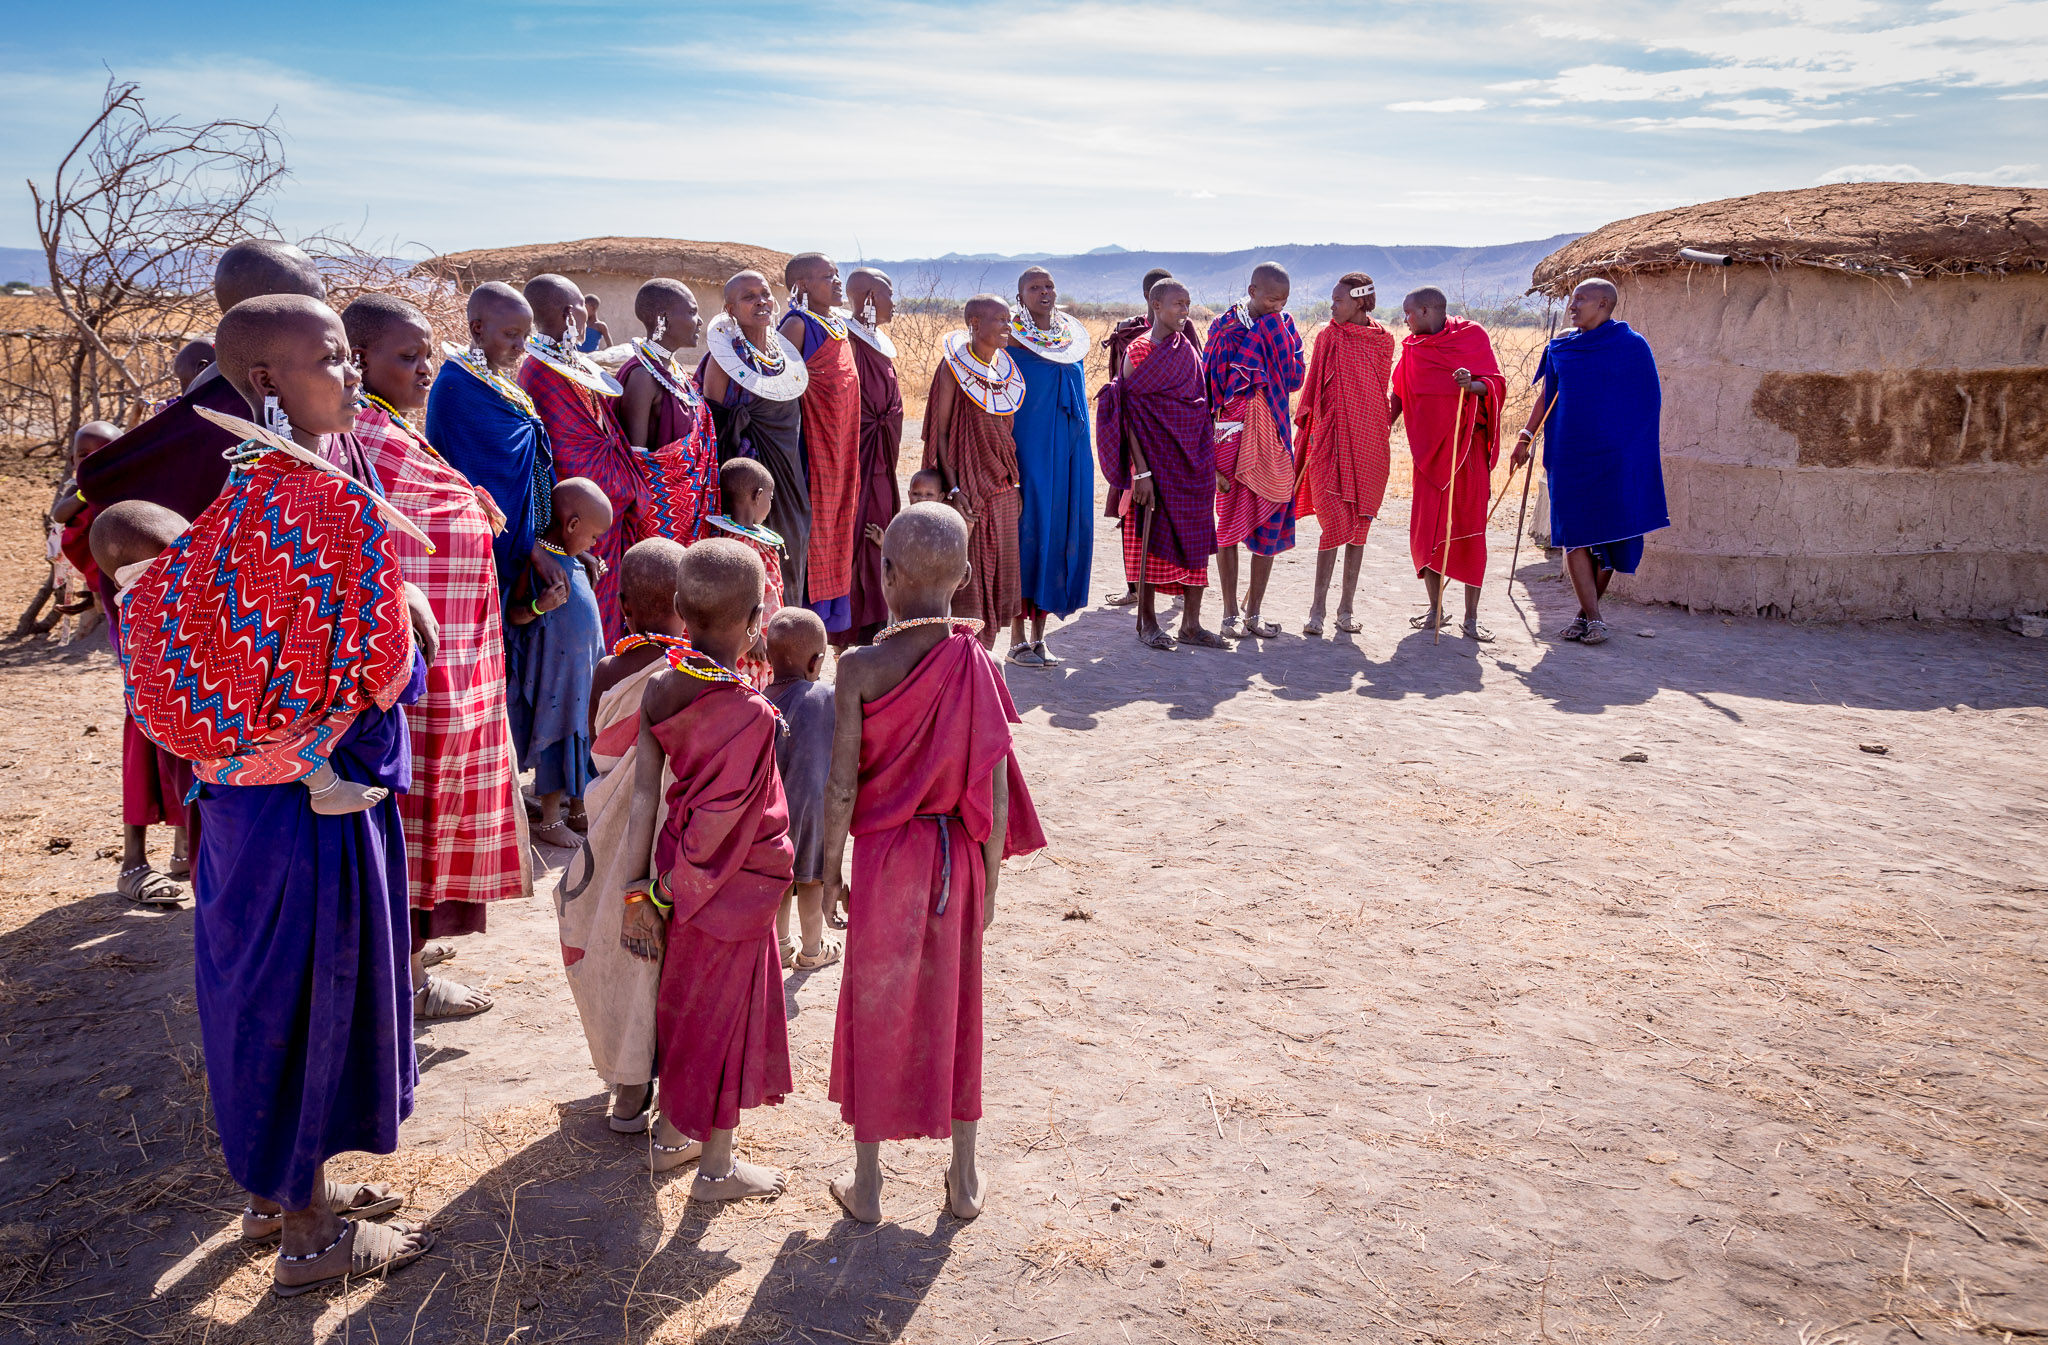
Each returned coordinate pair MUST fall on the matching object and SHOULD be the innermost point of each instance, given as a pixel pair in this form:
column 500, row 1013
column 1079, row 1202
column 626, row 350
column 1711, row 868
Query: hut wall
column 1837, row 446
column 615, row 292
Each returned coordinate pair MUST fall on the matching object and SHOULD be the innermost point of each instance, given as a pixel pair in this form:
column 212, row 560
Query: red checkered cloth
column 832, row 454
column 1343, row 428
column 462, row 835
column 588, row 442
column 981, row 457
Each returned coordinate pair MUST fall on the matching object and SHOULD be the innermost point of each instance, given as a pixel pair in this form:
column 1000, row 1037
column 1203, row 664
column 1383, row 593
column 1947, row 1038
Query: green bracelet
column 534, row 603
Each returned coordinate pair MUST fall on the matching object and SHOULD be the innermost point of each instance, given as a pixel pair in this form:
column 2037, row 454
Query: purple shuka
column 1162, row 402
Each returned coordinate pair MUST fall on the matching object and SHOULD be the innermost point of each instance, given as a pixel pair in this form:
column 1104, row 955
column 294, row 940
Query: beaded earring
column 275, row 420
column 867, row 310
column 660, row 328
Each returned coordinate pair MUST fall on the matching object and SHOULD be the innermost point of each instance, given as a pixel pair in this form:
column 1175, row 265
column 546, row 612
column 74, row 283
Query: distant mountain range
column 1480, row 276
column 23, row 264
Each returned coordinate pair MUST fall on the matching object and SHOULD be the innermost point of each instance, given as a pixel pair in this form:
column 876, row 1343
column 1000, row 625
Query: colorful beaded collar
column 1066, row 343
column 997, row 387
column 777, row 375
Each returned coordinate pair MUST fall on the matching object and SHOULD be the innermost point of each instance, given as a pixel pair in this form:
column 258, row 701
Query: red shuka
column 1342, row 431
column 721, row 1038
column 832, row 456
column 906, row 1046
column 1429, row 405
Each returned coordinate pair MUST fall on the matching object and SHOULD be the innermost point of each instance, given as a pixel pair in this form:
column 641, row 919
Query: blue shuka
column 1056, row 469
column 502, row 447
column 1600, row 449
column 300, row 948
column 548, row 703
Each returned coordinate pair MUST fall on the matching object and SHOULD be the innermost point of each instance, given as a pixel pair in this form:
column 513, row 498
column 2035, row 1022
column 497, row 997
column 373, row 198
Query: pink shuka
column 722, row 1041
column 906, row 1048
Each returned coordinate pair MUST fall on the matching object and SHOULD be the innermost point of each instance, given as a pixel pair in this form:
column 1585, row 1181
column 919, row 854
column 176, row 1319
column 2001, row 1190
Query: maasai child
column 873, row 297
column 754, row 380
column 487, row 428
column 975, row 391
column 796, row 650
column 596, row 336
column 1252, row 361
column 662, row 411
column 615, row 991
column 721, row 864
column 174, row 458
column 831, row 430
column 572, row 396
column 928, row 486
column 465, row 844
column 1600, row 448
column 1343, row 431
column 1450, row 387
column 74, row 577
column 749, row 493
column 924, row 777
column 1156, row 444
column 1056, row 483
column 559, row 636
column 300, row 938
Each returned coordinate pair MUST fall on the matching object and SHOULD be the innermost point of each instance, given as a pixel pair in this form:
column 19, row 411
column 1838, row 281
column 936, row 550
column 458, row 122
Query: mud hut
column 614, row 269
column 1855, row 400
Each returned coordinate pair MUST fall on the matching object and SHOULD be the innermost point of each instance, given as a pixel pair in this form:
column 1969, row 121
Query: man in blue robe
column 1599, row 412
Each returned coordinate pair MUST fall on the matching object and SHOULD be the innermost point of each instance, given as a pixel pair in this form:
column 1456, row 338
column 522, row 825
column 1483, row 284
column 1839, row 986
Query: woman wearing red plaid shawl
column 465, row 844
column 1344, row 429
column 831, row 421
column 1252, row 360
column 572, row 396
column 663, row 412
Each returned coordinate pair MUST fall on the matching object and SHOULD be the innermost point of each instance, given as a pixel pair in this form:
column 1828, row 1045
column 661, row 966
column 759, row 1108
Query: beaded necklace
column 764, row 361
column 1066, row 343
column 473, row 360
column 641, row 639
column 834, row 325
column 602, row 568
column 967, row 623
column 996, row 386
column 402, row 423
column 663, row 368
column 704, row 668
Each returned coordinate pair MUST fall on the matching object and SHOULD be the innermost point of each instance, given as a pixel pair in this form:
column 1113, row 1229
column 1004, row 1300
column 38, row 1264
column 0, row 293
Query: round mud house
column 1855, row 397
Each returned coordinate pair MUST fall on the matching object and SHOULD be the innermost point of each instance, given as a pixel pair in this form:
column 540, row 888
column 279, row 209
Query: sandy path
column 1363, row 994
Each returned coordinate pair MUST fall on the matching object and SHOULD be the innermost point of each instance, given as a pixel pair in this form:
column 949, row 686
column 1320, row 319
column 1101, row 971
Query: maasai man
column 754, row 380
column 924, row 776
column 465, row 833
column 663, row 412
column 706, row 907
column 174, row 459
column 300, row 936
column 1449, row 386
column 1600, row 448
column 1342, row 435
column 1115, row 344
column 615, row 991
column 1155, row 441
column 975, row 391
column 1252, row 361
column 831, row 425
column 1055, row 544
column 487, row 428
column 572, row 396
column 873, row 296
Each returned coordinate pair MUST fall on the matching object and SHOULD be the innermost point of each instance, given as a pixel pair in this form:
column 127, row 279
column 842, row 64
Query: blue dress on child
column 549, row 700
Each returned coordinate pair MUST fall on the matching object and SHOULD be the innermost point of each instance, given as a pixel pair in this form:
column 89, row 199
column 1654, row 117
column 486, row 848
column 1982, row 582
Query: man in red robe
column 1449, row 386
column 924, row 775
column 662, row 411
column 831, row 421
column 584, row 431
column 721, row 865
column 873, row 296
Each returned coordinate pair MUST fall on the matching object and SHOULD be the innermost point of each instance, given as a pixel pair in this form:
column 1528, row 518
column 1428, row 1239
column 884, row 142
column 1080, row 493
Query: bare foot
column 746, row 1181
column 339, row 797
column 667, row 1156
column 964, row 1201
column 866, row 1206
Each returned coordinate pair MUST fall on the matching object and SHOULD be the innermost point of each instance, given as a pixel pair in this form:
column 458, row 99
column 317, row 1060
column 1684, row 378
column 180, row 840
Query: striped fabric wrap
column 256, row 638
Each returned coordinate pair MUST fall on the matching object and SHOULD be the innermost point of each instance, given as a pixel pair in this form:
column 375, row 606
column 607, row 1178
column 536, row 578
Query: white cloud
column 2005, row 175
column 1438, row 105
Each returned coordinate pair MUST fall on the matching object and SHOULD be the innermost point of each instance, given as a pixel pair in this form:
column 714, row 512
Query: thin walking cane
column 1145, row 553
column 1443, row 577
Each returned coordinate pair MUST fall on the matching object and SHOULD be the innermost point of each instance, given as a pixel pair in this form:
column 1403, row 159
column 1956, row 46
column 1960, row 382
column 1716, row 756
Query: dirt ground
column 1366, row 992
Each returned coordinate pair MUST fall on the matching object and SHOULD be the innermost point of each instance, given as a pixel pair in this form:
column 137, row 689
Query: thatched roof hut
column 614, row 269
column 1855, row 401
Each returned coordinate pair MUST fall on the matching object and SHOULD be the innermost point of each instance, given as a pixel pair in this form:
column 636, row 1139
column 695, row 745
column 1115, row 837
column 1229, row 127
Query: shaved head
column 927, row 545
column 1270, row 273
column 803, row 267
column 986, row 306
column 647, row 576
column 866, row 279
column 370, row 317
column 256, row 330
column 581, row 496
column 719, row 584
column 1153, row 277
column 741, row 282
column 1428, row 299
column 1164, row 286
column 658, row 296
column 191, row 361
column 133, row 530
column 1599, row 288
column 258, row 266
column 96, row 432
column 742, row 475
column 1029, row 272
column 795, row 636
column 550, row 293
column 494, row 298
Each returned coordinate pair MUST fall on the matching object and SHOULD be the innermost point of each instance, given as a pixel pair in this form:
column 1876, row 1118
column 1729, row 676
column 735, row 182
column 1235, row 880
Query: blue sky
column 899, row 129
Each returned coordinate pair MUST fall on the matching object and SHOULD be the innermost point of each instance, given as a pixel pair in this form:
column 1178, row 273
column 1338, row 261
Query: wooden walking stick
column 1443, row 577
column 1522, row 514
column 1145, row 555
